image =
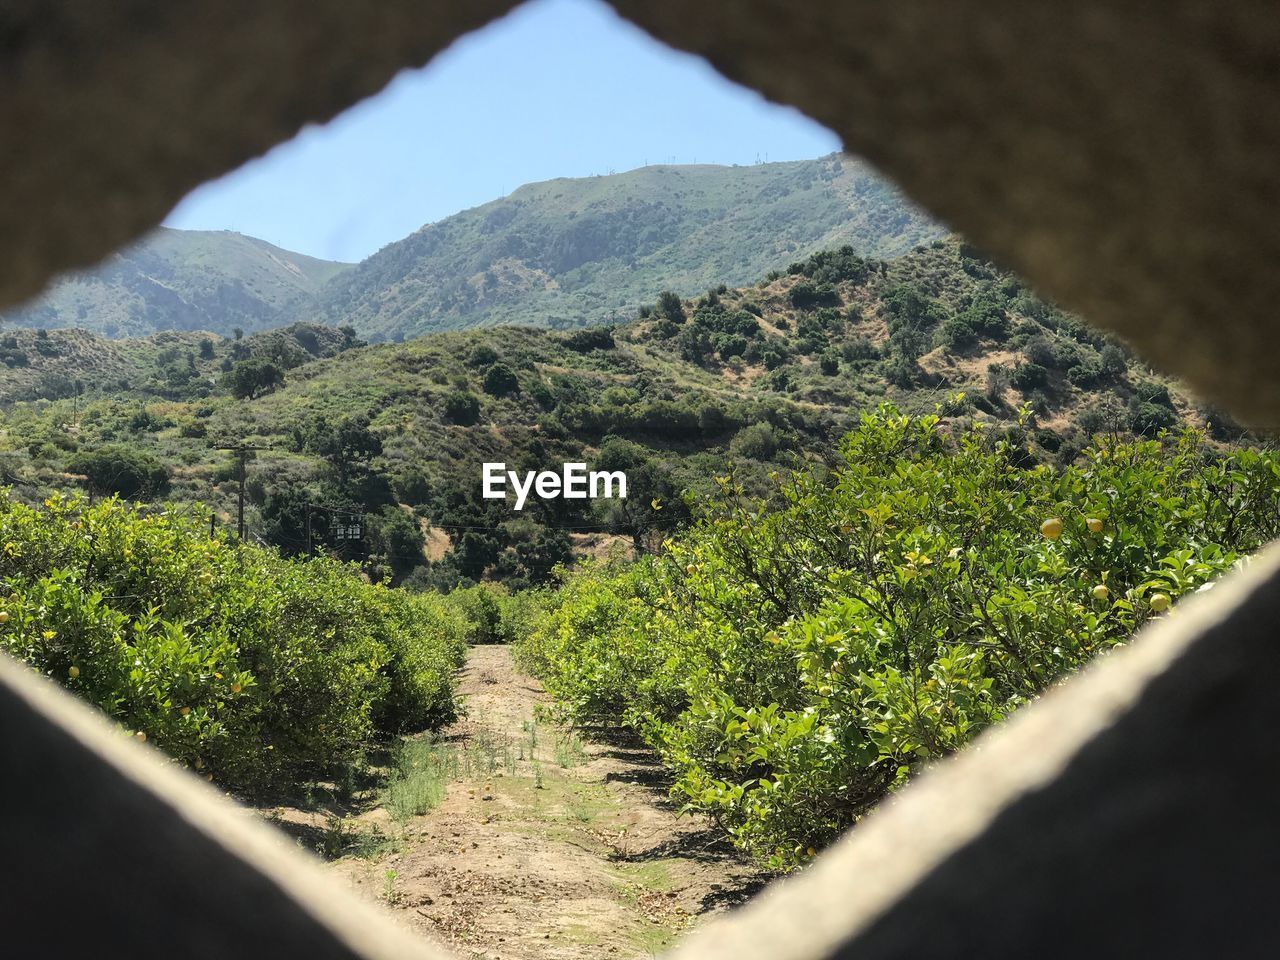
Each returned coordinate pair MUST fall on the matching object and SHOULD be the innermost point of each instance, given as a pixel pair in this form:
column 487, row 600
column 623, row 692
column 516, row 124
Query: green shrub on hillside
column 670, row 307
column 248, row 378
column 1029, row 376
column 128, row 471
column 795, row 663
column 462, row 408
column 807, row 296
column 500, row 380
column 261, row 671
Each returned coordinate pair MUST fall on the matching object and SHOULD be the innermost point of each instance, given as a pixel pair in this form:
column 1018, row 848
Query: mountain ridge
column 184, row 280
column 574, row 252
column 562, row 253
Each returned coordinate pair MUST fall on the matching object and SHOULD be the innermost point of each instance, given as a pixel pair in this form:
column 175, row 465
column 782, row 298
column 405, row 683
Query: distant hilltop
column 564, row 253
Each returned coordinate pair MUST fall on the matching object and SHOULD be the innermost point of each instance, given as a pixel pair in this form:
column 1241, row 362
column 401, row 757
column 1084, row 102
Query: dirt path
column 545, row 845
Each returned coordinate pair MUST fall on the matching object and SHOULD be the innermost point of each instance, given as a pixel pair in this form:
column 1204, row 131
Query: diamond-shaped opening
column 562, row 242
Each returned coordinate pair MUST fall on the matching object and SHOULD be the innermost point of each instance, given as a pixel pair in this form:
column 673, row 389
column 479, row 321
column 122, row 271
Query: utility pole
column 241, row 450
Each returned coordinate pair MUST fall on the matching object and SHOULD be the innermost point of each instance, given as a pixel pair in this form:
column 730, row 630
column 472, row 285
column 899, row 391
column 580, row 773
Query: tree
column 1151, row 409
column 584, row 341
column 756, row 442
column 712, row 420
column 249, row 378
column 501, row 380
column 1085, row 373
column 773, row 354
column 284, row 517
column 1029, row 376
column 482, row 355
column 476, row 551
column 345, row 445
column 394, row 538
column 670, row 306
column 1114, row 363
column 695, row 345
column 462, row 408
column 1039, row 350
column 539, row 555
column 909, row 307
column 122, row 470
column 901, row 370
column 958, row 333
column 997, row 381
column 859, row 348
column 1147, row 419
column 986, row 315
column 806, row 296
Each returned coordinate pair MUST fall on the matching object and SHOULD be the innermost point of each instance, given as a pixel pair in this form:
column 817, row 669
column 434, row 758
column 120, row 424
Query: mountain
column 562, row 254
column 576, row 252
column 184, row 280
column 749, row 379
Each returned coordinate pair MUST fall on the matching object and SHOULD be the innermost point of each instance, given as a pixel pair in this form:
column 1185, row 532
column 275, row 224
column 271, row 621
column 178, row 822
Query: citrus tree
column 257, row 670
column 797, row 659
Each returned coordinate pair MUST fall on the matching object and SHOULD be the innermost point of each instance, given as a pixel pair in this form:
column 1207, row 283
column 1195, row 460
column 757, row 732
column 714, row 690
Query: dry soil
column 549, row 843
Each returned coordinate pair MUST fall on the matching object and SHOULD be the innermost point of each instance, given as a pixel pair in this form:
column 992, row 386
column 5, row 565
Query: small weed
column 569, row 751
column 343, row 837
column 333, row 841
column 389, row 892
column 490, row 752
column 530, row 728
column 421, row 778
column 373, row 843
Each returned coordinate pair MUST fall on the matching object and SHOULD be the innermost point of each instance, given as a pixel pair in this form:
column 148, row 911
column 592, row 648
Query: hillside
column 750, row 379
column 563, row 254
column 577, row 252
column 184, row 280
column 47, row 364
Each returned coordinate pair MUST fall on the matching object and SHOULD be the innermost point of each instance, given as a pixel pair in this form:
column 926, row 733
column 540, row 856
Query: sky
column 558, row 88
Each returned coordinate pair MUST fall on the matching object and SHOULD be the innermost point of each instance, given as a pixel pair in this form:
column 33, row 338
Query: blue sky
column 558, row 88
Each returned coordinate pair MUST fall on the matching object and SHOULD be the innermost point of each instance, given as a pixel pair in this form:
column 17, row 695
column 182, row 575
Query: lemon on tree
column 1052, row 528
column 1159, row 602
column 1100, row 592
column 1094, row 524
